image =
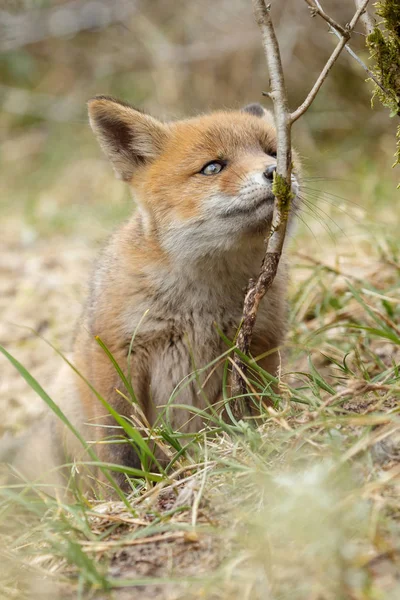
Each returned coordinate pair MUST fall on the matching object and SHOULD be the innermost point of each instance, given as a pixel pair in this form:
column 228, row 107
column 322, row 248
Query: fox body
column 176, row 272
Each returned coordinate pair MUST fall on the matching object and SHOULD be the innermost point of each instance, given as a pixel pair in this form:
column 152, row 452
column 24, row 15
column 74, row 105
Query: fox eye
column 212, row 168
column 271, row 154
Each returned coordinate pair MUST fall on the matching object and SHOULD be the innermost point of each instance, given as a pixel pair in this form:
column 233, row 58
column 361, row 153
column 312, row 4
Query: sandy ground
column 42, row 288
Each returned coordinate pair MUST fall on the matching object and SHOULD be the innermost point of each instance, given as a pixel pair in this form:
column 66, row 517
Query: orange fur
column 185, row 257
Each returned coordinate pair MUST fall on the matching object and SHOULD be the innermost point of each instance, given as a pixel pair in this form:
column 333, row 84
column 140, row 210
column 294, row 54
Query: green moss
column 384, row 46
column 283, row 192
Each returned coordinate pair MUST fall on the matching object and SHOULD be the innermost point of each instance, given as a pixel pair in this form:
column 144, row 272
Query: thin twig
column 316, row 9
column 365, row 18
column 96, row 546
column 269, row 267
column 278, row 92
column 239, row 368
column 197, row 499
column 331, row 61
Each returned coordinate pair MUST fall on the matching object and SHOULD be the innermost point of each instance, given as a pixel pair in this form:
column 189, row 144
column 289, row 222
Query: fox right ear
column 128, row 137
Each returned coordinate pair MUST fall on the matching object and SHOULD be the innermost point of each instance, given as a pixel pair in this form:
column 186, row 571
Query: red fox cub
column 176, row 269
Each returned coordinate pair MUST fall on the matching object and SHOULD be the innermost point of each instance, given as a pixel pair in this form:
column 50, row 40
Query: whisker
column 320, row 210
column 298, row 215
column 327, row 179
column 330, row 195
column 313, row 198
column 321, row 221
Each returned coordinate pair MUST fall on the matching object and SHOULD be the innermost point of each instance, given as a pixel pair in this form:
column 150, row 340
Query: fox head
column 203, row 184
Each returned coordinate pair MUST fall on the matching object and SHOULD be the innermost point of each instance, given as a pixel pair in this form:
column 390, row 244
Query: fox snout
column 246, row 200
column 269, row 173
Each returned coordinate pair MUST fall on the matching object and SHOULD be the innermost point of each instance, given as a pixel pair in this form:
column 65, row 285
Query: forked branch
column 344, row 38
column 316, row 9
column 281, row 185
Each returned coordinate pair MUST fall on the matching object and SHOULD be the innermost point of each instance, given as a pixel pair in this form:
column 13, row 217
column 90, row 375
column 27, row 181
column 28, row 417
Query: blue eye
column 212, row 168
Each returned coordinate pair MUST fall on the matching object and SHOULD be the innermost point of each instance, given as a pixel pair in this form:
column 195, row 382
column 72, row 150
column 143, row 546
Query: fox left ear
column 254, row 109
column 257, row 110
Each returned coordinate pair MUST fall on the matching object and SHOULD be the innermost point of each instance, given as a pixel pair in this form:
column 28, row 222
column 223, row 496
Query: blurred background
column 173, row 58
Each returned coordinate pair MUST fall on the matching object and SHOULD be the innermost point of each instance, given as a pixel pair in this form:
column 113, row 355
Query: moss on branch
column 283, row 192
column 384, row 45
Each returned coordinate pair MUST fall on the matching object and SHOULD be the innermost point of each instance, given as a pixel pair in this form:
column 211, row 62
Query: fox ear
column 254, row 109
column 128, row 137
column 257, row 110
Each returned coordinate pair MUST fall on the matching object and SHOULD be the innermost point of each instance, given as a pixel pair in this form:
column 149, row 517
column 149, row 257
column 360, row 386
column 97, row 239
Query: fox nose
column 269, row 172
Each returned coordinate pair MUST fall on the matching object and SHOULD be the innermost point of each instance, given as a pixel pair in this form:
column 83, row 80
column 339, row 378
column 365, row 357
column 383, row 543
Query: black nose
column 269, row 172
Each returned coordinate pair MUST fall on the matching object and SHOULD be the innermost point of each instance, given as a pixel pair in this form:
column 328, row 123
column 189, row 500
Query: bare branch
column 338, row 30
column 282, row 192
column 278, row 92
column 316, row 9
column 365, row 18
column 331, row 61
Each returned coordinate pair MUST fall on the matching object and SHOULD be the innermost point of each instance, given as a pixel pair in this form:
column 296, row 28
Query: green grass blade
column 127, row 383
column 35, row 385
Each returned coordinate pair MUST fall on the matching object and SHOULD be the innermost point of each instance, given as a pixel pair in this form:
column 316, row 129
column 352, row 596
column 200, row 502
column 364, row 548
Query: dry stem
column 282, row 182
column 365, row 18
column 282, row 191
column 316, row 9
